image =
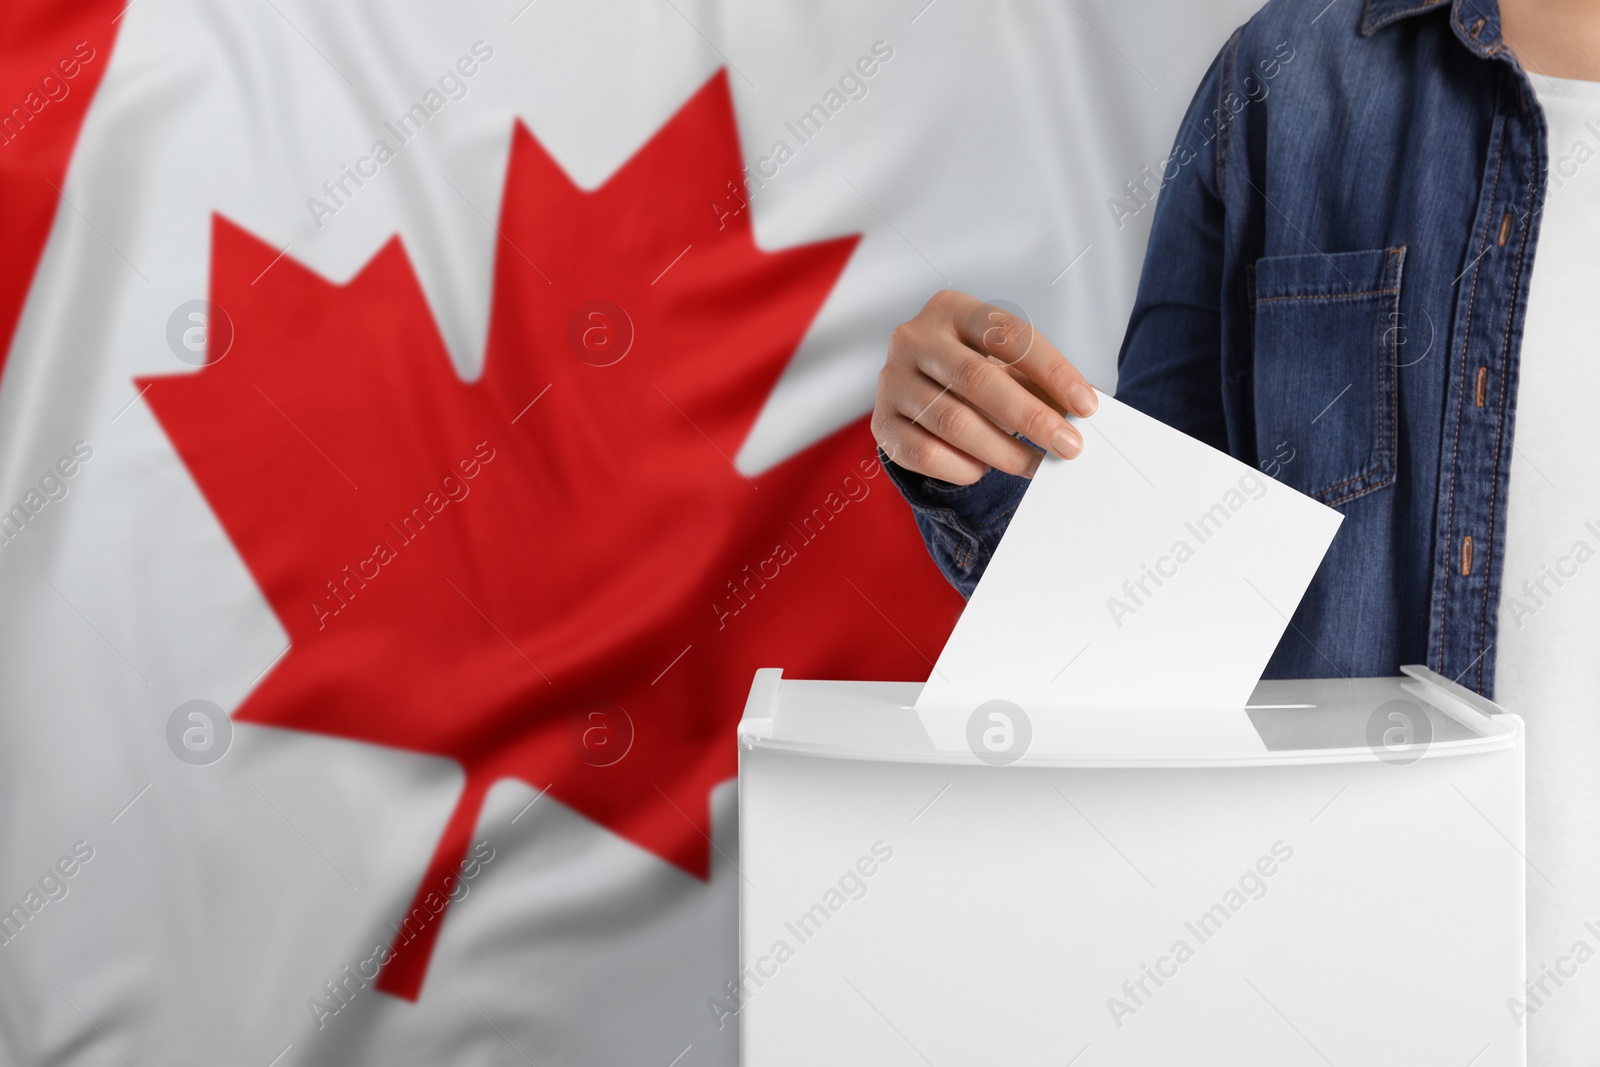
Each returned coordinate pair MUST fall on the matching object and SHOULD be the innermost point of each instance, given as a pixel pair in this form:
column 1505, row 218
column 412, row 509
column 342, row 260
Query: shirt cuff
column 961, row 524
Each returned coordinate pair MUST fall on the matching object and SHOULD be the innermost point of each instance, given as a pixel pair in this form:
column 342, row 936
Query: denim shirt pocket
column 1326, row 330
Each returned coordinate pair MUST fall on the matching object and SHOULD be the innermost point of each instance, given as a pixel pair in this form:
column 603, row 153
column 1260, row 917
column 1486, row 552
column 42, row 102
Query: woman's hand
column 961, row 379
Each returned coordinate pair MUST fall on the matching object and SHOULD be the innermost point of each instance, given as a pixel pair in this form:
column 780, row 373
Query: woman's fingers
column 990, row 389
column 916, row 449
column 962, row 379
column 950, row 418
column 1014, row 342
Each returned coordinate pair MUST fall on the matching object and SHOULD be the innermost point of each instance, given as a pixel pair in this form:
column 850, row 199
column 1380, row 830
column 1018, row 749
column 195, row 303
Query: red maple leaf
column 488, row 570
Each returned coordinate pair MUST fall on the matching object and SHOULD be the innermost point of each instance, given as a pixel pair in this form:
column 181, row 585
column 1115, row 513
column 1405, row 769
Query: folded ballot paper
column 1151, row 572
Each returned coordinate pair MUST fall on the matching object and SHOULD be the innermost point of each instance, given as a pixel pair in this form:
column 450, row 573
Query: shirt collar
column 1476, row 22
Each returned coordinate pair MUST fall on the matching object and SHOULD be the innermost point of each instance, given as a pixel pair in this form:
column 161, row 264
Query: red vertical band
column 52, row 56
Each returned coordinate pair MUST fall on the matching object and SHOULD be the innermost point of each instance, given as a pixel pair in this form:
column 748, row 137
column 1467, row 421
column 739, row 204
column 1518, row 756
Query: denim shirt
column 1334, row 291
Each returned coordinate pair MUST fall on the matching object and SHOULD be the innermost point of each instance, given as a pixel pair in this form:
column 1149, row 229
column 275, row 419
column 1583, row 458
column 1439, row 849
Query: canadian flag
column 417, row 423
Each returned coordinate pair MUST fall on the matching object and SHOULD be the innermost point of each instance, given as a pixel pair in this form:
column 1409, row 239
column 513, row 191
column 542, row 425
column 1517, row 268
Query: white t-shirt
column 1548, row 650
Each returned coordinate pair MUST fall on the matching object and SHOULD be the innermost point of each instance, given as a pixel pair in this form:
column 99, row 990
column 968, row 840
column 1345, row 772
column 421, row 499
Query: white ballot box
column 1330, row 875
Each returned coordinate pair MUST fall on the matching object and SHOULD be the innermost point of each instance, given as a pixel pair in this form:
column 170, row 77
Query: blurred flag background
column 418, row 420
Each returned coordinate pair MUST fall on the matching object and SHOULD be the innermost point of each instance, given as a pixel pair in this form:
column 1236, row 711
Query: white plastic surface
column 1021, row 908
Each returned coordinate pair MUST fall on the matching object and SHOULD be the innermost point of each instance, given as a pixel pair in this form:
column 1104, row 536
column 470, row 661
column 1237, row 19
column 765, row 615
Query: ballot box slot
column 1341, row 720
